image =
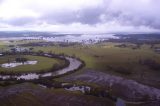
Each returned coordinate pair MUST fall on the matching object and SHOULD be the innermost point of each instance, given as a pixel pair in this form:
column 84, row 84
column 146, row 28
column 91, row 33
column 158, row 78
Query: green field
column 101, row 55
column 44, row 64
column 104, row 57
column 108, row 58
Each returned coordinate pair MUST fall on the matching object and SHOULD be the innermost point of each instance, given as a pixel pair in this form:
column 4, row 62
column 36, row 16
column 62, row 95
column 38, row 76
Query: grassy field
column 105, row 57
column 17, row 42
column 44, row 64
column 102, row 55
column 108, row 58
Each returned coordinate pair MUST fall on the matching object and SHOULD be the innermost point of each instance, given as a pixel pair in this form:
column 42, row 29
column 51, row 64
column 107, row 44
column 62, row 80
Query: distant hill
column 140, row 36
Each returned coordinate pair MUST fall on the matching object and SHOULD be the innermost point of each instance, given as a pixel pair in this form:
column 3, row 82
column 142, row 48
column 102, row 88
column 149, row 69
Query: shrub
column 20, row 59
column 152, row 64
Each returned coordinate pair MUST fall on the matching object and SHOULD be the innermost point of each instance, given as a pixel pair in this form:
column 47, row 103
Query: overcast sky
column 80, row 15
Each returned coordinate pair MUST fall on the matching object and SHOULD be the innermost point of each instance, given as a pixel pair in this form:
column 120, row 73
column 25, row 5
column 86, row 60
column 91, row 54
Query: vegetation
column 44, row 64
column 110, row 58
column 152, row 64
column 114, row 58
column 130, row 60
column 21, row 59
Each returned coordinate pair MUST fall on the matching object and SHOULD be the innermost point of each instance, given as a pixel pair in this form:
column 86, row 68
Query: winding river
column 73, row 65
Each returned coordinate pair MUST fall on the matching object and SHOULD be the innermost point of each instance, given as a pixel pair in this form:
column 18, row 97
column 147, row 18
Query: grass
column 44, row 63
column 18, row 42
column 98, row 56
column 33, row 95
column 102, row 56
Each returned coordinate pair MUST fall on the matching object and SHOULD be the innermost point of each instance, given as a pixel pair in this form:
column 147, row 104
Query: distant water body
column 85, row 38
column 82, row 38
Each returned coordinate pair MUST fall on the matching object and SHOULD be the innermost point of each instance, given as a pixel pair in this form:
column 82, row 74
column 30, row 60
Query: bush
column 122, row 70
column 21, row 59
column 152, row 64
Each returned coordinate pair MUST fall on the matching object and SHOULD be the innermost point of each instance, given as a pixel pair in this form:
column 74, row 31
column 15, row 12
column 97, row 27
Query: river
column 73, row 65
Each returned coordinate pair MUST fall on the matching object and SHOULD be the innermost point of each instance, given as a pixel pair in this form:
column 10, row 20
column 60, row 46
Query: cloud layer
column 80, row 15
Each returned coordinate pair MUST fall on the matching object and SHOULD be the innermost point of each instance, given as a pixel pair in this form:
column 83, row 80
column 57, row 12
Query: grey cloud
column 84, row 16
column 131, row 12
column 22, row 21
column 125, row 15
column 1, row 1
column 90, row 15
column 135, row 13
column 137, row 20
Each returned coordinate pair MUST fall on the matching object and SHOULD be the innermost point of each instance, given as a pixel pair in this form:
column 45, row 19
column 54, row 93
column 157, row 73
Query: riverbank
column 28, row 94
column 130, row 90
column 74, row 64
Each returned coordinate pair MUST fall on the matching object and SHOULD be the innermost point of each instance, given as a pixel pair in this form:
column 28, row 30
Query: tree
column 40, row 52
column 8, row 60
column 21, row 59
column 31, row 48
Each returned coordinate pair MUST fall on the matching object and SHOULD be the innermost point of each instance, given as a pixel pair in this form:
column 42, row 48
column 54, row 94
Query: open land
column 126, row 69
column 43, row 63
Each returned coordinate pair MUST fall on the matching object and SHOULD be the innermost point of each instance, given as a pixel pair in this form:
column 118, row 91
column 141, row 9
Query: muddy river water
column 73, row 65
